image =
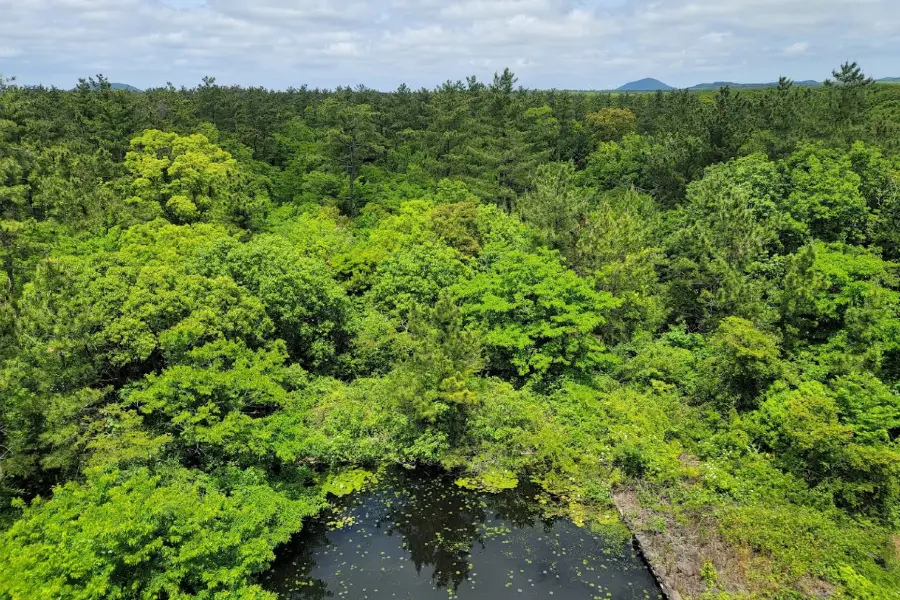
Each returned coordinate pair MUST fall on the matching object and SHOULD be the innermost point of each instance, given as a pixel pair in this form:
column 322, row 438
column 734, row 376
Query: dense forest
column 219, row 306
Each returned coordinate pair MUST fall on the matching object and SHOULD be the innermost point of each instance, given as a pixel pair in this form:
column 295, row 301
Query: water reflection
column 420, row 536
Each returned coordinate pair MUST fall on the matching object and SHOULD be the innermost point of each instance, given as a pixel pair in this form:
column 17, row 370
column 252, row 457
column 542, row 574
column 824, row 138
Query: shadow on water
column 418, row 536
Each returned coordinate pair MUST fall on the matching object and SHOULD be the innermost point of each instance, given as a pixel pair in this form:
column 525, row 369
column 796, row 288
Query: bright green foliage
column 610, row 235
column 825, row 199
column 190, row 179
column 535, row 317
column 502, row 432
column 557, row 208
column 20, row 234
column 322, row 233
column 457, row 225
column 209, row 405
column 880, row 185
column 378, row 343
column 305, row 160
column 611, row 124
column 619, row 245
column 130, row 310
column 13, row 189
column 386, row 232
column 99, row 320
column 362, row 424
column 175, row 533
column 64, row 187
column 490, row 481
column 759, row 176
column 348, row 482
column 627, row 432
column 414, row 275
column 671, row 360
column 618, row 163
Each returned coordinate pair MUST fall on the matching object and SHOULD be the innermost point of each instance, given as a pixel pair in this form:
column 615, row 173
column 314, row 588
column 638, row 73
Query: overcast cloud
column 548, row 43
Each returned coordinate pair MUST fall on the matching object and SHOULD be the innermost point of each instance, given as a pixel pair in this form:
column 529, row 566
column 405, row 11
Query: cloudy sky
column 382, row 43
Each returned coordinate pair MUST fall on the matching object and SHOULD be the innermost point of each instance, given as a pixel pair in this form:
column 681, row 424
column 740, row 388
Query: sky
column 567, row 44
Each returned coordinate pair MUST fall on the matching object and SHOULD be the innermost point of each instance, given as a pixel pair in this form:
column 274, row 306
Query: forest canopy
column 214, row 301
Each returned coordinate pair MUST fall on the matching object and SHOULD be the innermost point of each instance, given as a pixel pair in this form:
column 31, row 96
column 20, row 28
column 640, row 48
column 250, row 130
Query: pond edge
column 649, row 557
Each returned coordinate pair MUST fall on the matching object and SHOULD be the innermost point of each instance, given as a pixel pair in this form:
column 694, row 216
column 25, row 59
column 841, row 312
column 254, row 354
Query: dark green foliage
column 437, row 381
column 309, row 309
column 826, row 436
column 742, row 363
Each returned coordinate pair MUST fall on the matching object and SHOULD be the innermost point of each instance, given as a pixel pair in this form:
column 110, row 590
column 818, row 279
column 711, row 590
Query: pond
column 416, row 535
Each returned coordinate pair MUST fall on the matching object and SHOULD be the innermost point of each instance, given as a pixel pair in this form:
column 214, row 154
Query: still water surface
column 417, row 536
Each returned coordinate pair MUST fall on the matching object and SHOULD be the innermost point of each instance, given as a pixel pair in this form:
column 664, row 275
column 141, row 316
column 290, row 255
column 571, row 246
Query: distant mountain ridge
column 749, row 86
column 120, row 86
column 125, row 86
column 651, row 85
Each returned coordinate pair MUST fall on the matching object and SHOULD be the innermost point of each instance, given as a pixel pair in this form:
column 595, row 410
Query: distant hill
column 748, row 86
column 645, row 85
column 712, row 86
column 122, row 86
column 652, row 85
column 125, row 86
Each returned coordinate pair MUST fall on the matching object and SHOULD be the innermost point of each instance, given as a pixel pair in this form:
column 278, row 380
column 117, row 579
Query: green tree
column 308, row 307
column 611, row 124
column 823, row 436
column 825, row 201
column 457, row 225
column 848, row 98
column 842, row 301
column 352, row 139
column 97, row 321
column 188, row 178
column 728, row 124
column 212, row 405
column 619, row 245
column 536, row 319
column 414, row 275
column 171, row 532
column 617, row 164
column 557, row 207
column 743, row 361
column 880, row 185
column 437, row 382
column 305, row 161
column 724, row 236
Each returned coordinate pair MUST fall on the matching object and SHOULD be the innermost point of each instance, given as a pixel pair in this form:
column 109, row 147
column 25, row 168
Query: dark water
column 417, row 536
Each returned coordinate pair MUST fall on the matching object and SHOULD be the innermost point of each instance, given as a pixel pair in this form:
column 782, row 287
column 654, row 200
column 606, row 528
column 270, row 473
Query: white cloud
column 342, row 49
column 559, row 43
column 797, row 49
column 477, row 10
